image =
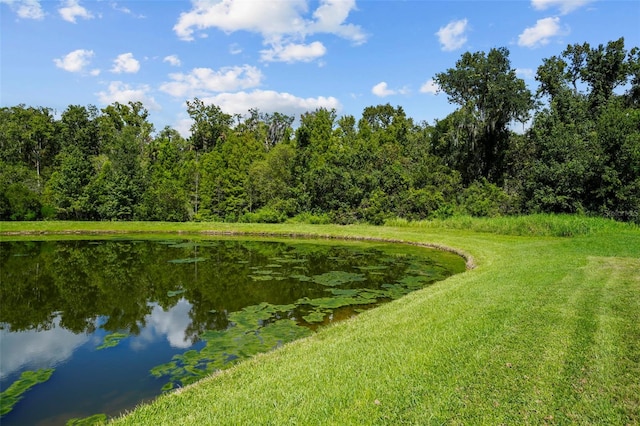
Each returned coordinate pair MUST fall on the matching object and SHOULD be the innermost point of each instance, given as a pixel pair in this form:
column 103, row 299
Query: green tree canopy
column 490, row 97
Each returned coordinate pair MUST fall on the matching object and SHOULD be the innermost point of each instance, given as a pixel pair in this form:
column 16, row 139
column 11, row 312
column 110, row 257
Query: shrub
column 263, row 215
column 24, row 204
column 484, row 199
column 310, row 218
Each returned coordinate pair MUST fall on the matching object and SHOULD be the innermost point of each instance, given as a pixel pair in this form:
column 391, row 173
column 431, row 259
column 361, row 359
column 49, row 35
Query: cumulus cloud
column 124, row 93
column 330, row 18
column 540, row 34
column 269, row 18
column 294, row 52
column 430, row 87
column 265, row 17
column 205, row 81
column 270, row 101
column 382, row 90
column 75, row 61
column 452, row 36
column 26, row 9
column 172, row 60
column 73, row 10
column 281, row 23
column 565, row 6
column 125, row 63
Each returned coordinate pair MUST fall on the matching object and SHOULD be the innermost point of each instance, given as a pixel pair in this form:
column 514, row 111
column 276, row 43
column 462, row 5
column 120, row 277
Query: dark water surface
column 114, row 322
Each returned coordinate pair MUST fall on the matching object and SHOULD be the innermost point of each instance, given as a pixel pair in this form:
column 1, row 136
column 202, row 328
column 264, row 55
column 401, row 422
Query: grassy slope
column 544, row 330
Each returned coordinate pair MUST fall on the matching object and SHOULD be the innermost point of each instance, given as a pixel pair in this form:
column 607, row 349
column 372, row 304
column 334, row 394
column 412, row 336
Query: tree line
column 579, row 153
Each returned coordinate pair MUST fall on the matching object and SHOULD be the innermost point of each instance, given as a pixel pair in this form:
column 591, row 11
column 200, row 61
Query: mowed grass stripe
column 607, row 387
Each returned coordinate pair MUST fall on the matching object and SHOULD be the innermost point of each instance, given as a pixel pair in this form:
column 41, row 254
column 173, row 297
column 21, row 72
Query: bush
column 310, row 218
column 287, row 207
column 375, row 209
column 417, row 204
column 484, row 199
column 343, row 216
column 24, row 204
column 263, row 215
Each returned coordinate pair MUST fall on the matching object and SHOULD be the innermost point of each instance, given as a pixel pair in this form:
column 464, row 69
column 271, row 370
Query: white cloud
column 125, row 63
column 565, row 6
column 270, row 18
column 75, row 61
column 270, row 101
column 382, row 90
column 172, row 60
column 294, row 52
column 73, row 10
column 430, row 87
column 540, row 34
column 204, row 81
column 264, row 17
column 26, row 9
column 452, row 36
column 281, row 23
column 330, row 17
column 124, row 93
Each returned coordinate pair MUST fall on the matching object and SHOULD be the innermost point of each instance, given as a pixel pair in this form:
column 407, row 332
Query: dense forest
column 579, row 153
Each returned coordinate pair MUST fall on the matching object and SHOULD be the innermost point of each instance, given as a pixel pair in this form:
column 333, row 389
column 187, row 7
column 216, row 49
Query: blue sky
column 289, row 56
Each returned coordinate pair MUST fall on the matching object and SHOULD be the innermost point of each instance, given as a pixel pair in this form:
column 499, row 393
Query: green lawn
column 544, row 330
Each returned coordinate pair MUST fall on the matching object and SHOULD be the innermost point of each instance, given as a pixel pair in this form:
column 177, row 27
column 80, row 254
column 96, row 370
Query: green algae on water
column 111, row 340
column 336, row 278
column 315, row 316
column 14, row 393
column 255, row 329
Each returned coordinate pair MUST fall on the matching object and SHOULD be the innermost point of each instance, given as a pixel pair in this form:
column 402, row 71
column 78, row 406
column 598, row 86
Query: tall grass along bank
column 545, row 330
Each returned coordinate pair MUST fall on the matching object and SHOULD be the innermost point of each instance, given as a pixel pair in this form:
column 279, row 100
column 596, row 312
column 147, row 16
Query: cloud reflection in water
column 160, row 323
column 37, row 349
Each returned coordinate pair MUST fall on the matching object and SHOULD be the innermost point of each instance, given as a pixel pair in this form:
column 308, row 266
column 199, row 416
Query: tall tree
column 387, row 124
column 116, row 190
column 271, row 180
column 66, row 189
column 584, row 144
column 606, row 68
column 28, row 135
column 490, row 97
column 210, row 125
column 79, row 128
column 166, row 194
column 225, row 187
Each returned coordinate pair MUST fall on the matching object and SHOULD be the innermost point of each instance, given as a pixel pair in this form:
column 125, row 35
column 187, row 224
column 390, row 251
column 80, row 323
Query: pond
column 95, row 327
